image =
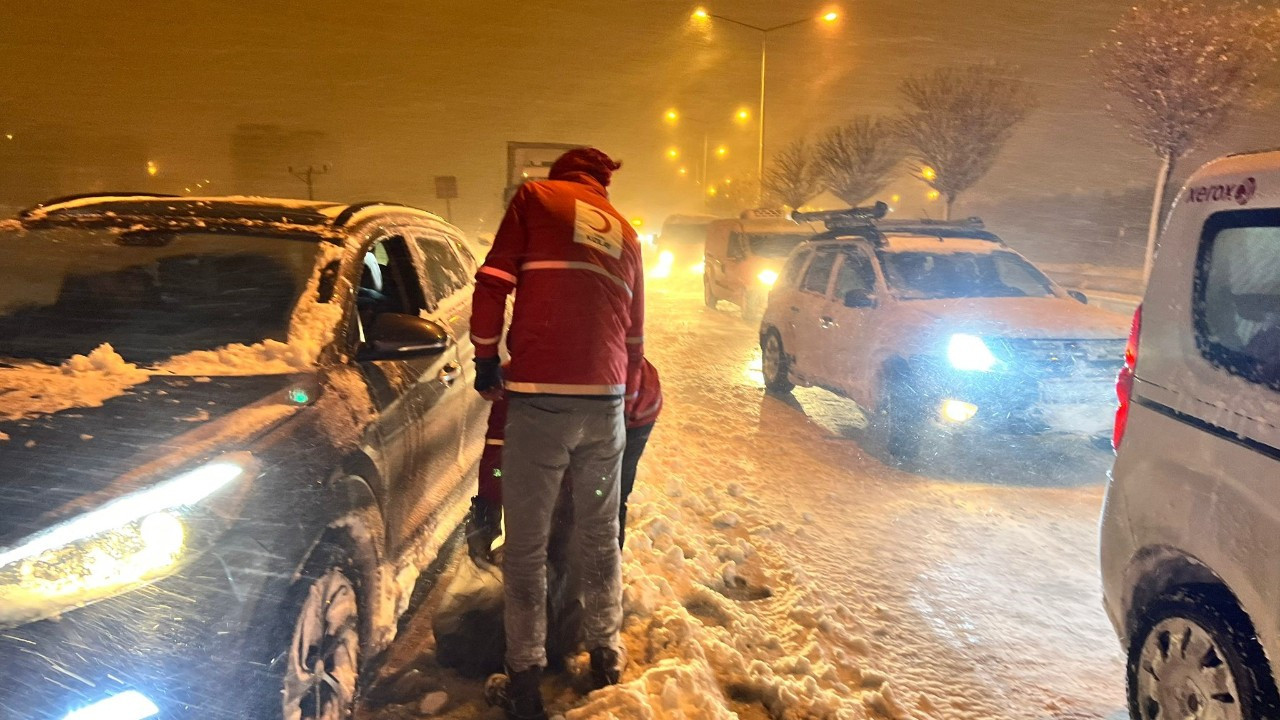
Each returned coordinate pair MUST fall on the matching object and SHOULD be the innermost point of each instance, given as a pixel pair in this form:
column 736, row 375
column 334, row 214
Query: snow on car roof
column 938, row 244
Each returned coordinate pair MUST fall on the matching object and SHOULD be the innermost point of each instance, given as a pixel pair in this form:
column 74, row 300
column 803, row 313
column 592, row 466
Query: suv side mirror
column 859, row 299
column 395, row 336
column 1084, row 299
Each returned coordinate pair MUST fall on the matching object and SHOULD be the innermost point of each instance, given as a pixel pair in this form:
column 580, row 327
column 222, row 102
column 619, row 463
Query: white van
column 1190, row 535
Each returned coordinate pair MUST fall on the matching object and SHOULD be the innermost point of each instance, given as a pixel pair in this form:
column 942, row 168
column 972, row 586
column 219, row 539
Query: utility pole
column 308, row 176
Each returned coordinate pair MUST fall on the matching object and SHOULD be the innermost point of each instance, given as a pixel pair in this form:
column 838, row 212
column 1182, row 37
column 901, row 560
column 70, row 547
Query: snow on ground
column 776, row 569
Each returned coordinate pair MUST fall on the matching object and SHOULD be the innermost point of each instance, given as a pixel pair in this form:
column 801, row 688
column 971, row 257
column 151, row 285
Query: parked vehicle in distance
column 233, row 430
column 1191, row 523
column 924, row 323
column 679, row 247
column 745, row 256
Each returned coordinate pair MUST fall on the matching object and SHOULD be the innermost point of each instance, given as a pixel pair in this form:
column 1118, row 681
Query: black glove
column 488, row 374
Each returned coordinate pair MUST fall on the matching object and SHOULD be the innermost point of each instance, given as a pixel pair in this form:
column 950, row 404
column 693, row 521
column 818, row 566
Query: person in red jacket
column 484, row 521
column 576, row 337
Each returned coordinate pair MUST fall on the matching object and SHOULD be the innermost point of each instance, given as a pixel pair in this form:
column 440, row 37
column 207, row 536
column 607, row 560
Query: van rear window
column 1237, row 294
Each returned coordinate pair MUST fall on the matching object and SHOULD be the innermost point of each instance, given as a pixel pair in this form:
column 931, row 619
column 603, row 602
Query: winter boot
column 606, row 667
column 483, row 527
column 518, row 694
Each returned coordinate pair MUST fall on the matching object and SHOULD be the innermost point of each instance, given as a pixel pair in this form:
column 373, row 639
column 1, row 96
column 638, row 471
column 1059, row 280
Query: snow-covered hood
column 1048, row 317
column 63, row 463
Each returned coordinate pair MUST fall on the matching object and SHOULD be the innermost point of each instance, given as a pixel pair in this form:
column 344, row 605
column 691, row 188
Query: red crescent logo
column 607, row 225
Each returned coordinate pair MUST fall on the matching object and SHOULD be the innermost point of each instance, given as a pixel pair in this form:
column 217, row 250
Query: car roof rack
column 839, row 219
column 27, row 212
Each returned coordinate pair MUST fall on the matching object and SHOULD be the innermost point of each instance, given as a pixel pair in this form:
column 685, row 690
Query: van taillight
column 1124, row 382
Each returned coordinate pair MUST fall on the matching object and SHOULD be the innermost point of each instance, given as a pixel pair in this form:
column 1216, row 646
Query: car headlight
column 120, row 545
column 768, row 277
column 969, row 352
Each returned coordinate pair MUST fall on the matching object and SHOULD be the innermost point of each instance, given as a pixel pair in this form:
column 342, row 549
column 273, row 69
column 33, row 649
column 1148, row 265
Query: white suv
column 1191, row 527
column 926, row 323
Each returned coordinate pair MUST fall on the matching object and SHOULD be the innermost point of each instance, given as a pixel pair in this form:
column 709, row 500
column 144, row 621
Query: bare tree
column 790, row 178
column 1184, row 67
column 956, row 119
column 855, row 161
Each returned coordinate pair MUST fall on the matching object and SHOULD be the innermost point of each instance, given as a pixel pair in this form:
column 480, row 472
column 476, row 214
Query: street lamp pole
column 764, row 54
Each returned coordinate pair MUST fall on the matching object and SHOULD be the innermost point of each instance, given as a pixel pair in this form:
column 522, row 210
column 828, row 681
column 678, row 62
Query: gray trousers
column 548, row 436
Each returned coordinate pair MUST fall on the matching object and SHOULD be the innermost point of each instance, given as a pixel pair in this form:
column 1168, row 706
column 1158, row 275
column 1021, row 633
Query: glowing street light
column 831, row 17
column 673, row 153
column 743, row 115
column 933, row 195
column 671, row 115
column 701, row 14
column 928, row 173
column 152, row 168
column 683, row 171
column 722, row 151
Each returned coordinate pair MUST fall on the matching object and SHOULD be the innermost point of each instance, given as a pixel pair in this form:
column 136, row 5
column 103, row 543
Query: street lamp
column 702, row 15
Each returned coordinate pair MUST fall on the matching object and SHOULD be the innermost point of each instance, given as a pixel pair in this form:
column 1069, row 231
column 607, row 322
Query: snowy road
column 968, row 590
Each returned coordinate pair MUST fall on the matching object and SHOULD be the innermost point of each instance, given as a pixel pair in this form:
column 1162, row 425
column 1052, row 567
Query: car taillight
column 1124, row 382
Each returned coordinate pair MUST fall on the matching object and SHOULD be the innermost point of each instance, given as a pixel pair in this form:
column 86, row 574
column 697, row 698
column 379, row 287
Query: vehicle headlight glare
column 768, row 277
column 969, row 352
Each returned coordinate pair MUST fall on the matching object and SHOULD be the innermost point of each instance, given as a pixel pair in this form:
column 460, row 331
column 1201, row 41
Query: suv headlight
column 969, row 352
column 768, row 277
column 124, row 543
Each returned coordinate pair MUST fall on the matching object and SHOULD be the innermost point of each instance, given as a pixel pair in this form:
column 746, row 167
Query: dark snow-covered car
column 925, row 322
column 232, row 431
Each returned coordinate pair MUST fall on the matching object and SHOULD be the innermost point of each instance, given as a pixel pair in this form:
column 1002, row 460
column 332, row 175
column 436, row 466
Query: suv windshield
column 933, row 276
column 774, row 245
column 151, row 295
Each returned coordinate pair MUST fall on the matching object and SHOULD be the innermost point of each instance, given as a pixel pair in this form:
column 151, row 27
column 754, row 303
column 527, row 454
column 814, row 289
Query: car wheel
column 708, row 295
column 1196, row 655
column 900, row 422
column 320, row 665
column 773, row 363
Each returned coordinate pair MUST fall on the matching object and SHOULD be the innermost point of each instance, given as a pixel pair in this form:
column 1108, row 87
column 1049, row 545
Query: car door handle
column 449, row 373
column 826, row 322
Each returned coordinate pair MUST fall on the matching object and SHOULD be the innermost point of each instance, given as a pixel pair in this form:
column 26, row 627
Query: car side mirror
column 1084, row 299
column 859, row 299
column 395, row 336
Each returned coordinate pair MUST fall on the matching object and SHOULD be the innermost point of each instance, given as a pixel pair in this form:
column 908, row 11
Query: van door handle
column 826, row 322
column 449, row 374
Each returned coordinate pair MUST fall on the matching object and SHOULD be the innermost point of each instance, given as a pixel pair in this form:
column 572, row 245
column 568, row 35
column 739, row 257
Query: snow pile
column 311, row 330
column 82, row 381
column 707, row 632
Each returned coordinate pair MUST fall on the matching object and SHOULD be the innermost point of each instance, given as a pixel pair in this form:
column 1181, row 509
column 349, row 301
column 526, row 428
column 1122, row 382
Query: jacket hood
column 584, row 161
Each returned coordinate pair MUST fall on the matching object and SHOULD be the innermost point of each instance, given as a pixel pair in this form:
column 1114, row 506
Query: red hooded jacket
column 578, row 324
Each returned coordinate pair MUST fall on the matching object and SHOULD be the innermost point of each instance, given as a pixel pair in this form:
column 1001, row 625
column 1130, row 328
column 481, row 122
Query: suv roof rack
column 850, row 217
column 27, row 212
column 970, row 223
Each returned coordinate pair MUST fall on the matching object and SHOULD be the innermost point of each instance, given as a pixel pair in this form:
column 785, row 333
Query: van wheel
column 773, row 363
column 900, row 421
column 709, row 295
column 318, row 667
column 1196, row 655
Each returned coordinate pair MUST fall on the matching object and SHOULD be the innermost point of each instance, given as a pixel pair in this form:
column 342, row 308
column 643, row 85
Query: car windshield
column 935, row 276
column 774, row 245
column 151, row 295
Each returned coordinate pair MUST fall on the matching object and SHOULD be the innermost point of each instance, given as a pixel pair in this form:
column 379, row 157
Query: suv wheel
column 1196, row 655
column 900, row 421
column 773, row 363
column 319, row 668
column 708, row 295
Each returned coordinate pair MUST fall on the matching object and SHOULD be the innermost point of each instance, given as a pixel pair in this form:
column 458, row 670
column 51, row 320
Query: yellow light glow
column 697, row 268
column 663, row 267
column 768, row 277
column 742, row 115
column 712, row 191
column 895, row 198
column 8, row 136
column 152, row 168
column 722, row 151
column 831, row 17
column 671, row 115
column 163, row 534
column 958, row 411
column 933, row 194
column 673, row 153
column 683, row 171
column 637, row 222
column 928, row 173
column 701, row 14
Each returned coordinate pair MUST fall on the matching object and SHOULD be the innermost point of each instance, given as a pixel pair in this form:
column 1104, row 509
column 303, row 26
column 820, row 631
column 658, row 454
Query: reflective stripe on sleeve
column 486, row 341
column 635, row 340
column 500, row 274
column 571, row 265
column 493, row 441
